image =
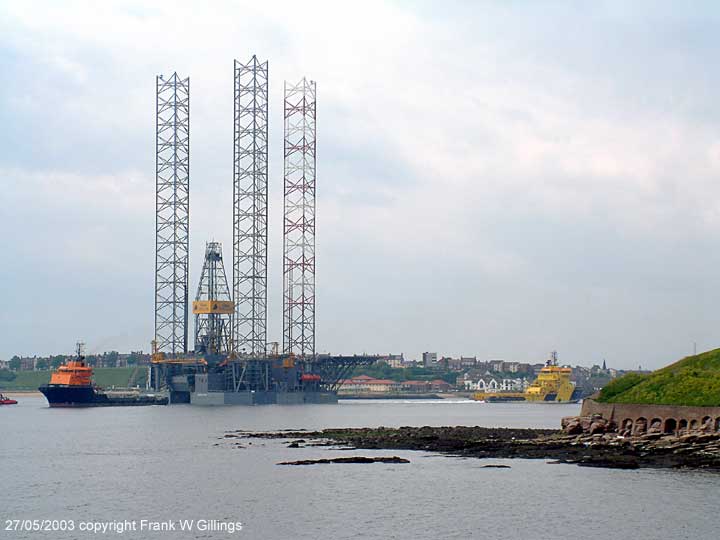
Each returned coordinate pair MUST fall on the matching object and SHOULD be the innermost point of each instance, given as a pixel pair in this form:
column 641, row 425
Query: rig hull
column 268, row 380
column 262, row 398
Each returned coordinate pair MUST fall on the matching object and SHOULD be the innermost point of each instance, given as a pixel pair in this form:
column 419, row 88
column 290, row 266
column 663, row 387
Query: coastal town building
column 468, row 362
column 415, row 387
column 438, row 385
column 28, row 364
column 490, row 383
column 450, row 364
column 497, row 365
column 109, row 359
column 364, row 384
column 429, row 359
column 396, row 361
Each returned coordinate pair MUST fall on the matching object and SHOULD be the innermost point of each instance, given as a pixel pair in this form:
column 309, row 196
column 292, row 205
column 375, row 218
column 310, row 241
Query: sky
column 495, row 179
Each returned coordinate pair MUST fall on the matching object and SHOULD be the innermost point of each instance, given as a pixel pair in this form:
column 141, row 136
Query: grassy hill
column 105, row 377
column 694, row 380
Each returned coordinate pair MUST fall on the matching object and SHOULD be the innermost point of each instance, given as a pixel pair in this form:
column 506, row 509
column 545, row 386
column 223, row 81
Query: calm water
column 160, row 463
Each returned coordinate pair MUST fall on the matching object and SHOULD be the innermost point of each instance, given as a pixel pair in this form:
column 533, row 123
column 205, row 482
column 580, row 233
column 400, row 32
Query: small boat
column 4, row 400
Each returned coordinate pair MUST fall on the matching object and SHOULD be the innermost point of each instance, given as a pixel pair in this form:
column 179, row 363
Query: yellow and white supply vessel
column 552, row 385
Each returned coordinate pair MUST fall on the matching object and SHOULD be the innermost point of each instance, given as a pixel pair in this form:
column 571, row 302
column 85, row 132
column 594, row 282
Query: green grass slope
column 105, row 377
column 694, row 380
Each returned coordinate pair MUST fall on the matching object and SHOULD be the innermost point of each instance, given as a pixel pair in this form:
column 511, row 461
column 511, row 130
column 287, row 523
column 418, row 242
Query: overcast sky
column 498, row 179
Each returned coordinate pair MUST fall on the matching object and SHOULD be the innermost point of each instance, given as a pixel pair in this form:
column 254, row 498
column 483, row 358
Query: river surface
column 171, row 463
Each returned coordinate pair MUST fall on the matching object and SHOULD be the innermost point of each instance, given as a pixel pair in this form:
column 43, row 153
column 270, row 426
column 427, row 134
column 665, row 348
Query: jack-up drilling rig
column 230, row 363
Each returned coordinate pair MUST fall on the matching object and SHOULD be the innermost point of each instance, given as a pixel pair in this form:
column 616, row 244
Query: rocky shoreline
column 613, row 450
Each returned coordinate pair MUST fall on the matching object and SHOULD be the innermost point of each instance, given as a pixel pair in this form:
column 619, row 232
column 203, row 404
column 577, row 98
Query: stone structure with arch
column 672, row 419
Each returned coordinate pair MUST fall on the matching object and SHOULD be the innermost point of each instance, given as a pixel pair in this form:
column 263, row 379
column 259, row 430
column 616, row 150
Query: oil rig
column 232, row 362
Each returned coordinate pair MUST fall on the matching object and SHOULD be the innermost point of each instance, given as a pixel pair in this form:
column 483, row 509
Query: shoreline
column 379, row 396
column 696, row 451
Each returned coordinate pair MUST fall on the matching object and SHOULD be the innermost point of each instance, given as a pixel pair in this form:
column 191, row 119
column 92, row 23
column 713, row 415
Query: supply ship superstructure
column 553, row 384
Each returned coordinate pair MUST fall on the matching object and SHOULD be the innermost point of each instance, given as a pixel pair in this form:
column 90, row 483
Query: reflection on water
column 162, row 463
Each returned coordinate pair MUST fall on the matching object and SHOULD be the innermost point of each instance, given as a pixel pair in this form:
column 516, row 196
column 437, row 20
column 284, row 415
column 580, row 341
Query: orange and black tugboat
column 71, row 386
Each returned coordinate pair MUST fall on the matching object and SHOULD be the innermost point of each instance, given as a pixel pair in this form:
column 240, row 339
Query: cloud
column 496, row 179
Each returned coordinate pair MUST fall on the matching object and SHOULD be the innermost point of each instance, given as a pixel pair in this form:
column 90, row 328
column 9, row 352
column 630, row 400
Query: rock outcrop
column 598, row 444
column 352, row 459
column 590, row 425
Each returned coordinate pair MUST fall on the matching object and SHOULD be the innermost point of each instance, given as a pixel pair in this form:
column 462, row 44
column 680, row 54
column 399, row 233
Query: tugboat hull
column 87, row 396
column 68, row 396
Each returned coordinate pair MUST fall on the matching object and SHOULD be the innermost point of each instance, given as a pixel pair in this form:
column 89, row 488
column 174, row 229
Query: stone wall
column 638, row 419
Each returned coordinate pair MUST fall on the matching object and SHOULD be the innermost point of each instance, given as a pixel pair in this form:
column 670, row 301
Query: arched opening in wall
column 670, row 425
column 682, row 425
column 640, row 425
column 717, row 424
column 627, row 425
column 655, row 426
column 693, row 424
column 707, row 424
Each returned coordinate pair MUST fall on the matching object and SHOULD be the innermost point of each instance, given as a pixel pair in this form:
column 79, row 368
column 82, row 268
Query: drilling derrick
column 250, row 206
column 172, row 213
column 213, row 307
column 299, row 220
